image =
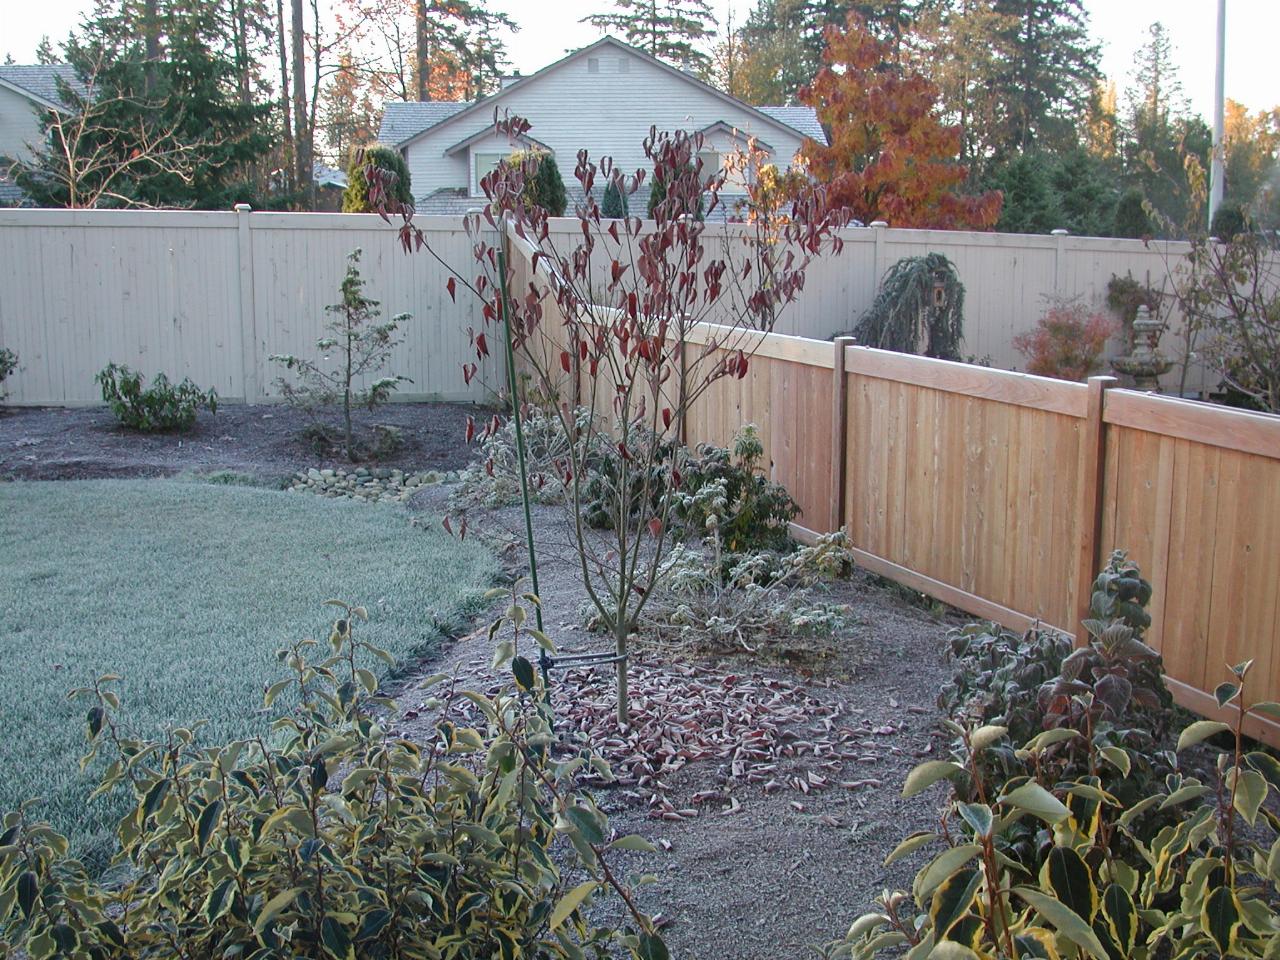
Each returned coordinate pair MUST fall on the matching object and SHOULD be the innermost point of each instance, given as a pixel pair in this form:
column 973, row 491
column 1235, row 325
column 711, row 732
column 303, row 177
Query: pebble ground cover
column 187, row 589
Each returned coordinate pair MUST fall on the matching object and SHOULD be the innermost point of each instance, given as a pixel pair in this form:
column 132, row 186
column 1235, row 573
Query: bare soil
column 764, row 870
column 265, row 442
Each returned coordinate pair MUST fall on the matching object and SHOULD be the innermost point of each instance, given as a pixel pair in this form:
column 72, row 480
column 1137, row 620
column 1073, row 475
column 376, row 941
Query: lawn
column 187, row 589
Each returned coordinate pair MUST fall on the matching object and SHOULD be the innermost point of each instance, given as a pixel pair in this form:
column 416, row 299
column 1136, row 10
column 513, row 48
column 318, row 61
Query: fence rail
column 1003, row 494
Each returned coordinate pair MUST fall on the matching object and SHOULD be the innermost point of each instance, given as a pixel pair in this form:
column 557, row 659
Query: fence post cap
column 1059, row 232
column 878, row 223
column 242, row 208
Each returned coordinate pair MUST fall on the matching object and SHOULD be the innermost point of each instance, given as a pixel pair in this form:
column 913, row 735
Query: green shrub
column 8, row 364
column 334, row 838
column 355, row 198
column 1205, row 884
column 543, row 186
column 159, row 407
column 756, row 511
column 1111, row 691
column 615, row 203
column 1228, row 221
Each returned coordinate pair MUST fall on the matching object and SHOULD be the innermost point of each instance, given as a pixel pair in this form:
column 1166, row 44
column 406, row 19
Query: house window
column 485, row 163
column 593, row 64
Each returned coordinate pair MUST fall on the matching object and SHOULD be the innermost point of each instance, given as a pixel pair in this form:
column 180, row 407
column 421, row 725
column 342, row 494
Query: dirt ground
column 764, row 871
column 54, row 443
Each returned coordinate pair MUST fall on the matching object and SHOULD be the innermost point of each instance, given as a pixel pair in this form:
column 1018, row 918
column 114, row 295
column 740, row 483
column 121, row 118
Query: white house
column 26, row 91
column 604, row 98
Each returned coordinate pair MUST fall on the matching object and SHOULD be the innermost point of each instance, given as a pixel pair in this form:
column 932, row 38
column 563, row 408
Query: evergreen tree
column 778, row 57
column 546, row 187
column 1161, row 137
column 667, row 29
column 1029, row 202
column 141, row 131
column 1132, row 220
column 1049, row 70
column 1085, row 193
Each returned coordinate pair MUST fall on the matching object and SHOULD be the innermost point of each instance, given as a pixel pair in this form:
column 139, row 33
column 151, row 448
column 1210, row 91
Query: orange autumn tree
column 891, row 158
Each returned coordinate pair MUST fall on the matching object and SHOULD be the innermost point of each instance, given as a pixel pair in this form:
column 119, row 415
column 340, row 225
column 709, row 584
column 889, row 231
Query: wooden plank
column 839, row 432
column 1089, row 494
column 962, row 600
column 1257, row 433
column 1021, row 389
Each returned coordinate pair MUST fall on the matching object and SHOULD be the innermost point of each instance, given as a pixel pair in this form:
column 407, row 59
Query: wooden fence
column 211, row 295
column 1003, row 494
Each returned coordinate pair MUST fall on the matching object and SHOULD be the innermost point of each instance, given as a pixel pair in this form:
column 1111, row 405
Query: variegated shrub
column 333, row 837
column 1203, row 883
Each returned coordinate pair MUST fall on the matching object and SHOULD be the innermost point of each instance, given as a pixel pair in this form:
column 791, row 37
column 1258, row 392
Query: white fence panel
column 211, row 295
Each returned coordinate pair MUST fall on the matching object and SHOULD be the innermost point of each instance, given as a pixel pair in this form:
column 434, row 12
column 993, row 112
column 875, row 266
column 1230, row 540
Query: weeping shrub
column 919, row 309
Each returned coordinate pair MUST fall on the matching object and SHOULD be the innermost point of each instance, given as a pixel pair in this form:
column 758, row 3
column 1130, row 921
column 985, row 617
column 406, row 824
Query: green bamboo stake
column 520, row 455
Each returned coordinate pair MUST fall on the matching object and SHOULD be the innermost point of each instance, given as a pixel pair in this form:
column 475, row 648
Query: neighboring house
column 604, row 98
column 26, row 91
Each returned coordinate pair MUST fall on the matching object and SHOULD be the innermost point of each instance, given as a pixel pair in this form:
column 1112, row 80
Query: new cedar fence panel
column 1192, row 492
column 1004, row 494
column 956, row 477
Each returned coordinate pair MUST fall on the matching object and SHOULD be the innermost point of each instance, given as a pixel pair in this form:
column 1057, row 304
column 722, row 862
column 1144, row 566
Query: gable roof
column 446, row 116
column 721, row 127
column 484, row 132
column 38, row 81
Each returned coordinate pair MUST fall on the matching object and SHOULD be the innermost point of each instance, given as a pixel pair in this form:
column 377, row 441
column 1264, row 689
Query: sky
column 549, row 28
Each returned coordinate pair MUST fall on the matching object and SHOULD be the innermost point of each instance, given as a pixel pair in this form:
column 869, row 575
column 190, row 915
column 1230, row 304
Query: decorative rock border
column 371, row 484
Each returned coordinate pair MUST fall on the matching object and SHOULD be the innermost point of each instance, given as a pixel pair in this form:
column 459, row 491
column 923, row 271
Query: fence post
column 1093, row 453
column 1059, row 256
column 878, row 228
column 248, row 315
column 839, row 433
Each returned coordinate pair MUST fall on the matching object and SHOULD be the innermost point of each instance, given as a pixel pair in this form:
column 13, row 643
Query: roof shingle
column 39, row 79
column 402, row 120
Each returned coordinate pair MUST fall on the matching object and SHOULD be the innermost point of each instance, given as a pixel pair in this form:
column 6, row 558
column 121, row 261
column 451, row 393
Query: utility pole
column 1217, row 164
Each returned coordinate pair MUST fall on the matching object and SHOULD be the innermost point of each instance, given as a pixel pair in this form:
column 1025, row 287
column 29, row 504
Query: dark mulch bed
column 265, row 442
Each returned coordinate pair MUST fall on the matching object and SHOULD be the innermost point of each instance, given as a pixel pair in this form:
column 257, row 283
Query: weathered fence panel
column 211, row 295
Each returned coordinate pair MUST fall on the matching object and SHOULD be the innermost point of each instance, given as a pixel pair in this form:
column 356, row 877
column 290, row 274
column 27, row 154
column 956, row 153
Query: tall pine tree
column 1049, row 70
column 668, row 29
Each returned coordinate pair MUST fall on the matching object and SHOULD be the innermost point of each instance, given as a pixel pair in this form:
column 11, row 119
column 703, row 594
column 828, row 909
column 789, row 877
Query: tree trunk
column 287, row 123
column 423, row 50
column 151, row 15
column 301, row 125
column 620, row 638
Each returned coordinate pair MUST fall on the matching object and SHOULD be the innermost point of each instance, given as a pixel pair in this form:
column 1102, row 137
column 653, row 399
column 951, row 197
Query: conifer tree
column 667, row 29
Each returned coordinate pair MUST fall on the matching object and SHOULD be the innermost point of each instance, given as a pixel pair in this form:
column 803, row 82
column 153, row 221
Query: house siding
column 19, row 124
column 608, row 112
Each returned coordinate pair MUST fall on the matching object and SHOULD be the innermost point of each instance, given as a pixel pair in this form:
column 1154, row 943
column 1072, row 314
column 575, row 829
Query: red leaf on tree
column 471, row 429
column 666, row 416
column 452, row 287
column 482, row 345
column 448, row 527
column 565, row 361
column 655, row 526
